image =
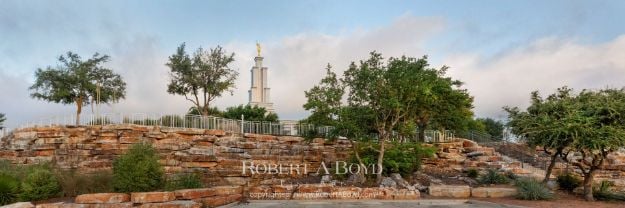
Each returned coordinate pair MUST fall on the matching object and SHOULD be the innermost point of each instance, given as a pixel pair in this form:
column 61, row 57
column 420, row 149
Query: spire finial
column 258, row 48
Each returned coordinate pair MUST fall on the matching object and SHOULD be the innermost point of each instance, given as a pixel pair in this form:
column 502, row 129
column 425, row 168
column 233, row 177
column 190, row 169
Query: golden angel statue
column 258, row 48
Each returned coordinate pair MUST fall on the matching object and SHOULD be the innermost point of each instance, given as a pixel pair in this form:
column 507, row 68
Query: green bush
column 531, row 189
column 402, row 158
column 472, row 173
column 568, row 182
column 493, row 177
column 602, row 192
column 9, row 189
column 184, row 181
column 138, row 170
column 40, row 184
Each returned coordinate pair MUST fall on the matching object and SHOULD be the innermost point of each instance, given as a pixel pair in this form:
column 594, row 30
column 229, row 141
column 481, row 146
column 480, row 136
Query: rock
column 388, row 182
column 405, row 194
column 401, row 183
column 194, row 193
column 449, row 191
column 227, row 190
column 102, row 198
column 172, row 204
column 469, row 143
column 326, row 178
column 488, row 192
column 420, row 187
column 151, row 197
column 20, row 205
column 345, row 193
column 473, row 154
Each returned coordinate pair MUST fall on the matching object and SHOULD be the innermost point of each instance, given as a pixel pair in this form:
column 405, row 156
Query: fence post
column 242, row 123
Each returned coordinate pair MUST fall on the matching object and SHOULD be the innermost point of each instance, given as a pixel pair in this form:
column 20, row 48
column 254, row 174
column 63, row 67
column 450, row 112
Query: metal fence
column 186, row 121
column 292, row 128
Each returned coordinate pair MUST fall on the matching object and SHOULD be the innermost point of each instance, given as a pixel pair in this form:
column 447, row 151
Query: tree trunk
column 78, row 110
column 380, row 158
column 588, row 178
column 421, row 133
column 360, row 176
column 554, row 157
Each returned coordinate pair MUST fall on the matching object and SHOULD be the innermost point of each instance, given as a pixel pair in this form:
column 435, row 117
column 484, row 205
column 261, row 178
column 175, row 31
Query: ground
column 367, row 203
column 562, row 200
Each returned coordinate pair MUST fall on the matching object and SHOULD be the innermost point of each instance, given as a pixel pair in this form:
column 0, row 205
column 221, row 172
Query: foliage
column 472, row 173
column 184, row 181
column 493, row 177
column 9, row 189
column 402, row 158
column 603, row 192
column 138, row 170
column 531, row 189
column 251, row 113
column 492, row 127
column 203, row 77
column 568, row 182
column 212, row 111
column 40, row 184
column 79, row 82
column 324, row 100
column 74, row 183
column 2, row 120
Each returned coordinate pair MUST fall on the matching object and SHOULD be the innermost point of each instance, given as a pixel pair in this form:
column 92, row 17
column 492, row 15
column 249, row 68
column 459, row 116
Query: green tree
column 79, row 82
column 550, row 123
column 324, row 100
column 212, row 111
column 602, row 131
column 201, row 78
column 250, row 113
column 2, row 119
column 493, row 127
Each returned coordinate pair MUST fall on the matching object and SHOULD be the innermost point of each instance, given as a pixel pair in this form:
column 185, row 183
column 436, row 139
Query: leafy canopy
column 202, row 77
column 250, row 113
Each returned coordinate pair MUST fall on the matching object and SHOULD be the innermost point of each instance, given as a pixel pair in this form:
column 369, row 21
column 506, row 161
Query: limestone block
column 151, row 197
column 172, row 204
column 102, row 198
column 345, row 192
column 194, row 193
column 449, row 191
column 492, row 192
column 215, row 132
column 405, row 194
column 20, row 205
column 227, row 190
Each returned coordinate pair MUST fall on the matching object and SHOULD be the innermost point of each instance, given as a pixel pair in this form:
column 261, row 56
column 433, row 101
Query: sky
column 501, row 50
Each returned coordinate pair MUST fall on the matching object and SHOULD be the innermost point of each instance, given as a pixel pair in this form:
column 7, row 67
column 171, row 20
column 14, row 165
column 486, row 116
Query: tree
column 550, row 123
column 80, row 82
column 601, row 115
column 250, row 113
column 2, row 119
column 493, row 127
column 324, row 100
column 212, row 111
column 590, row 124
column 201, row 78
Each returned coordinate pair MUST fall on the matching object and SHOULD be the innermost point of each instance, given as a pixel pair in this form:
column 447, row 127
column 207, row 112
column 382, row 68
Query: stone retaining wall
column 220, row 156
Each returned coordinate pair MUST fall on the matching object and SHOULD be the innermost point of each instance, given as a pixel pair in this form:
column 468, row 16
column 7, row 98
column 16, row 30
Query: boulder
column 20, row 205
column 449, row 191
column 194, row 193
column 469, row 143
column 388, row 182
column 102, row 198
column 172, row 204
column 151, row 197
column 492, row 192
column 401, row 183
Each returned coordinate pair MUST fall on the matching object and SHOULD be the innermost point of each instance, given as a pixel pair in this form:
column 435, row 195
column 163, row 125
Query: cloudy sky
column 502, row 50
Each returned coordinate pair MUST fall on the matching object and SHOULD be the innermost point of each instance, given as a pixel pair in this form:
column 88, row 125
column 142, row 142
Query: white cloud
column 544, row 65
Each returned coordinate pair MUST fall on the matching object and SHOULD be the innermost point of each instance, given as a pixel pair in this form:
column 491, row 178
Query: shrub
column 531, row 189
column 602, row 192
column 493, row 177
column 184, row 181
column 138, row 170
column 472, row 173
column 74, row 183
column 568, row 182
column 40, row 184
column 403, row 158
column 9, row 189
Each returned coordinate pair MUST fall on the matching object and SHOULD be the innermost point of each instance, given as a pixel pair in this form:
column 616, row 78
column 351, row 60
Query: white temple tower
column 259, row 91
